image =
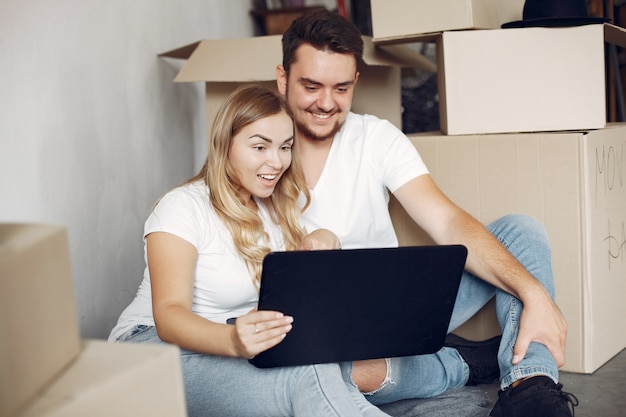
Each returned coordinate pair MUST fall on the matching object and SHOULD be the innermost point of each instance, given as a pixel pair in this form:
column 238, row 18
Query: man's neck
column 313, row 154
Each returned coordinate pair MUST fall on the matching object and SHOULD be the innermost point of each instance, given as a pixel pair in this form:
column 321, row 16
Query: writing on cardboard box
column 609, row 168
column 616, row 242
column 610, row 194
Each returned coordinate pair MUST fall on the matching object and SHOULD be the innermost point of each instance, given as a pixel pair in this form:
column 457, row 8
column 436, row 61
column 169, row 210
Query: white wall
column 92, row 129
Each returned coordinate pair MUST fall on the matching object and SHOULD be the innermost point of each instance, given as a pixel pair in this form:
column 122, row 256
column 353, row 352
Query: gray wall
column 92, row 129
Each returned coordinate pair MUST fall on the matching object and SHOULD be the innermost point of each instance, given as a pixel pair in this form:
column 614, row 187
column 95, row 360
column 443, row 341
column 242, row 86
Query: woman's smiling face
column 260, row 153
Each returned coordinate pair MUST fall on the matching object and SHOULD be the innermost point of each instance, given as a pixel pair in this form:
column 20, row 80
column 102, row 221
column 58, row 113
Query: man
column 351, row 162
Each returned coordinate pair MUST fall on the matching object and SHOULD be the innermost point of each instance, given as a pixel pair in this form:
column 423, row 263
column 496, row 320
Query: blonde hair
column 246, row 105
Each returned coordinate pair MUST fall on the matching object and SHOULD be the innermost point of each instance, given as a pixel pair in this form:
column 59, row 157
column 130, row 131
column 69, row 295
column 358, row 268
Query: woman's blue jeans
column 222, row 387
column 426, row 376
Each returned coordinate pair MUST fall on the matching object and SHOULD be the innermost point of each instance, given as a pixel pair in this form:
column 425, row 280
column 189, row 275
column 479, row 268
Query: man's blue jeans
column 426, row 376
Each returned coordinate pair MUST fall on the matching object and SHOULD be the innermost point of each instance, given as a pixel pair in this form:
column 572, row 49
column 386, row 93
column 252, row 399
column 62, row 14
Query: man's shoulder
column 368, row 125
column 364, row 118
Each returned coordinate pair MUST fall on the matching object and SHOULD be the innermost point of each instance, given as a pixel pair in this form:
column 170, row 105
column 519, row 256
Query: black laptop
column 360, row 303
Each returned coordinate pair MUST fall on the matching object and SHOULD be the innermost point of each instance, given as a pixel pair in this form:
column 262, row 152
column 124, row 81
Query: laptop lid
column 360, row 303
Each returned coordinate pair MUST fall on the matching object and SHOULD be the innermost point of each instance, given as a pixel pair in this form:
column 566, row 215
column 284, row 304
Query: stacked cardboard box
column 498, row 89
column 400, row 20
column 47, row 370
column 506, row 80
column 573, row 182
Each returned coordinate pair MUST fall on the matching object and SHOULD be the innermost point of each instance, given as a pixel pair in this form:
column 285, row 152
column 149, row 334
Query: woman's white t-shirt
column 223, row 286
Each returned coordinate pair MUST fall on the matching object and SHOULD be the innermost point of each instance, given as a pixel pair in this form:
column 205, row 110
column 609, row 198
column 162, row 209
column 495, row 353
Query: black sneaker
column 481, row 357
column 537, row 396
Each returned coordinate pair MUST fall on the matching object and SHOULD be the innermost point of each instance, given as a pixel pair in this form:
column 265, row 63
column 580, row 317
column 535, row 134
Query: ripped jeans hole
column 387, row 381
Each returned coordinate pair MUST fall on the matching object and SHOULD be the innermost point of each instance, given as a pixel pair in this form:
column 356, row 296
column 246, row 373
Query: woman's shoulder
column 189, row 199
column 188, row 193
column 184, row 211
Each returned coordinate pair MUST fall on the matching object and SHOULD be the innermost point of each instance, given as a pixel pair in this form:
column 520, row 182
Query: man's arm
column 446, row 223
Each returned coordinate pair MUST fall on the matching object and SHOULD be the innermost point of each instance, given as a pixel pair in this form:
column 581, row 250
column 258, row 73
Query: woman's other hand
column 320, row 239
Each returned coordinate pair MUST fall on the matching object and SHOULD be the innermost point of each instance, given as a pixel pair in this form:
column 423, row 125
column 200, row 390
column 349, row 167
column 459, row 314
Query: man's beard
column 303, row 130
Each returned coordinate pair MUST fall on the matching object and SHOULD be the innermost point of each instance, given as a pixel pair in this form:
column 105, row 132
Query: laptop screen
column 360, row 303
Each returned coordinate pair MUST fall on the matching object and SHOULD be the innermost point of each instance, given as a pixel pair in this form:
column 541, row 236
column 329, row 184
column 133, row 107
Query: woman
column 204, row 243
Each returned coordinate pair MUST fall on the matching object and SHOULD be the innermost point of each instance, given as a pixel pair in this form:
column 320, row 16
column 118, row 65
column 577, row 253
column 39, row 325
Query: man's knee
column 369, row 375
column 519, row 225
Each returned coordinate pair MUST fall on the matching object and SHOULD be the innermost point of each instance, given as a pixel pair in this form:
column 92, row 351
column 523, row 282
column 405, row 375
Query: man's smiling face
column 319, row 90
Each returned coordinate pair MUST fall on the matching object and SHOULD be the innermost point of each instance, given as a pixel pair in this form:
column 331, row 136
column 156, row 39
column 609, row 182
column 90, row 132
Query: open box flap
column 255, row 59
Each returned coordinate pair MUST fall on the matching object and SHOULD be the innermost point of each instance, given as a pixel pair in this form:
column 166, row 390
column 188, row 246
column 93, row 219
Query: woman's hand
column 320, row 239
column 258, row 331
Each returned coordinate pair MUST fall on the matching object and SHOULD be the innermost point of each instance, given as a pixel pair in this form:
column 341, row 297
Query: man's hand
column 541, row 321
column 320, row 239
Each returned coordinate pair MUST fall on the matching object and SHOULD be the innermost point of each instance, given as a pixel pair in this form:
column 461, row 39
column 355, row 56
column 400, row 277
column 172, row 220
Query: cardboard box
column 523, row 80
column 115, row 379
column 46, row 370
column 573, row 182
column 224, row 64
column 394, row 20
column 37, row 312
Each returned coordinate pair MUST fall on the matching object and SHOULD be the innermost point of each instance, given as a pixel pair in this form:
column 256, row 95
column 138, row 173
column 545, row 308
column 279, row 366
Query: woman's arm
column 172, row 264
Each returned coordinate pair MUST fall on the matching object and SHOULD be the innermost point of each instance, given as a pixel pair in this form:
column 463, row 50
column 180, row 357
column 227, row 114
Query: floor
column 601, row 394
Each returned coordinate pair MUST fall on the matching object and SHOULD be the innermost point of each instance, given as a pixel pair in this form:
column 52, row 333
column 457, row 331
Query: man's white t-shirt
column 368, row 158
column 223, row 286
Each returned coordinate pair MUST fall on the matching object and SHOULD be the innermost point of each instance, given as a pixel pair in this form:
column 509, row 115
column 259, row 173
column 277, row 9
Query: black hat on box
column 554, row 13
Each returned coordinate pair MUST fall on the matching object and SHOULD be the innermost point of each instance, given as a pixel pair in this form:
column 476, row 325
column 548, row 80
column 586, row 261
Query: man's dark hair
column 324, row 30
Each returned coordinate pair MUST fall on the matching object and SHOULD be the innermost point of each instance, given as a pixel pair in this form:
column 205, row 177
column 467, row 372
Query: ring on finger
column 256, row 329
